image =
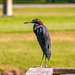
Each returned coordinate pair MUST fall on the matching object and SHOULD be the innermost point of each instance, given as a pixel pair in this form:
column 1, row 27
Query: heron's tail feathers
column 48, row 55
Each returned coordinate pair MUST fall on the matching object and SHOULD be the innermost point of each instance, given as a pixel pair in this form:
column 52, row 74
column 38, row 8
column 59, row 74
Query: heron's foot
column 39, row 67
column 46, row 66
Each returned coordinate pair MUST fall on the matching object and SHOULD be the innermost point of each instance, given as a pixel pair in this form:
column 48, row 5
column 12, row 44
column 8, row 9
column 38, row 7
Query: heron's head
column 37, row 21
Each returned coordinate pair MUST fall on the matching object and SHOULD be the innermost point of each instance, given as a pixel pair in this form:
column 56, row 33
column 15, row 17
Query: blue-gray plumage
column 43, row 38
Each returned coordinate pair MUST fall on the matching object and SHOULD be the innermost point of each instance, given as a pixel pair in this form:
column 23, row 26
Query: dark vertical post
column 4, row 7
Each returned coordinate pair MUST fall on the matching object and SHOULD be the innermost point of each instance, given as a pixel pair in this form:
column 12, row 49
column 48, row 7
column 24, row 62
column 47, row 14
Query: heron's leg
column 45, row 61
column 42, row 60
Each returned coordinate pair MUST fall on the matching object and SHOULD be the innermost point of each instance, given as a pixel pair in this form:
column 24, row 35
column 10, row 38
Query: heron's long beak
column 28, row 22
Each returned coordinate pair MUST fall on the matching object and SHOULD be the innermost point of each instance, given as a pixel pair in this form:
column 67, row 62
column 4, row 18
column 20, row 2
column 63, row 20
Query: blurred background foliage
column 40, row 1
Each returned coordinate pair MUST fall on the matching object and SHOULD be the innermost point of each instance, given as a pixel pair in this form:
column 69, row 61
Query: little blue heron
column 43, row 38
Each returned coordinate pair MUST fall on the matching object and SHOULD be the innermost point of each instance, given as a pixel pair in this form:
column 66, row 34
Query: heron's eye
column 35, row 20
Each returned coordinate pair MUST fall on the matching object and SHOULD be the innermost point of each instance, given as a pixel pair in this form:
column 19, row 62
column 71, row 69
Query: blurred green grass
column 23, row 54
column 55, row 19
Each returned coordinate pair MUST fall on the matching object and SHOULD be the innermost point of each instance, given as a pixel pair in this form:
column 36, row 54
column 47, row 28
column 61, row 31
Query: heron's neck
column 40, row 23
